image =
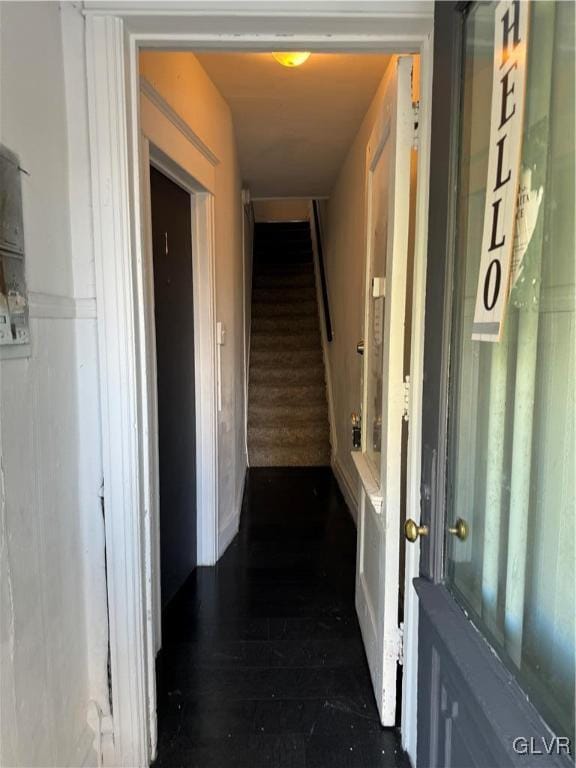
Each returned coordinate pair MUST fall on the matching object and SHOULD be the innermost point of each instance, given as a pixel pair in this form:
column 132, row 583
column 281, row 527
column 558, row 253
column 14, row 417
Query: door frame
column 205, row 369
column 114, row 33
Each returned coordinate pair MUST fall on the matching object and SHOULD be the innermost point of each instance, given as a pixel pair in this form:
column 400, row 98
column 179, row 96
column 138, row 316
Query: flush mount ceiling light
column 291, row 58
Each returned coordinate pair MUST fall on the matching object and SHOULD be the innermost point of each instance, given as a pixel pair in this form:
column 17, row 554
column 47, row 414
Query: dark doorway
column 174, row 317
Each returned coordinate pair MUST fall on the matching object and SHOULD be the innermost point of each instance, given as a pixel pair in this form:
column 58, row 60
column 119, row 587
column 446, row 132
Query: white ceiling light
column 291, row 58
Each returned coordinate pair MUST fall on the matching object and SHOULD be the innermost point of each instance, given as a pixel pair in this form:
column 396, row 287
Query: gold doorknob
column 412, row 530
column 360, row 347
column 459, row 529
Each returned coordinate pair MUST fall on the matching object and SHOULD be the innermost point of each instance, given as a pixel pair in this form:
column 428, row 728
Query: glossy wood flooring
column 262, row 663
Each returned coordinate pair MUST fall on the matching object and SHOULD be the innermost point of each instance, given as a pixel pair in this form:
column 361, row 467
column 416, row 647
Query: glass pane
column 512, row 404
column 374, row 344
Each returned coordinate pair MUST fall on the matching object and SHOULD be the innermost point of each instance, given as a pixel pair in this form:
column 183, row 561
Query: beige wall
column 184, row 85
column 282, row 209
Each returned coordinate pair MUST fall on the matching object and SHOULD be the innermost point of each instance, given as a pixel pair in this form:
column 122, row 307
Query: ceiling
column 294, row 126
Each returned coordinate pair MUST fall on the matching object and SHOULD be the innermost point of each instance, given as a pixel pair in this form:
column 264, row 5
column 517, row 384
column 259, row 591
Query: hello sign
column 506, row 124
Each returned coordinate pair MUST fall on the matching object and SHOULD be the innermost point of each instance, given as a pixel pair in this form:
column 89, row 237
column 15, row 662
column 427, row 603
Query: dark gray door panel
column 470, row 708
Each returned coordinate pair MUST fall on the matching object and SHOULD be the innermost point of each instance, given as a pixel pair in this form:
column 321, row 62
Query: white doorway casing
column 205, row 365
column 115, row 31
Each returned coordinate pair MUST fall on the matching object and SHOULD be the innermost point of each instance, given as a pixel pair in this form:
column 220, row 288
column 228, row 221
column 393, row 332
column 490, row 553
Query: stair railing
column 323, row 284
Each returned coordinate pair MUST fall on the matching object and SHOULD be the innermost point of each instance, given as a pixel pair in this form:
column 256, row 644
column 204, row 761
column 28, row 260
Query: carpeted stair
column 287, row 410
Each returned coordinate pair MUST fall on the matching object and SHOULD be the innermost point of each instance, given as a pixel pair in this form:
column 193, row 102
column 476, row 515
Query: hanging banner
column 506, row 124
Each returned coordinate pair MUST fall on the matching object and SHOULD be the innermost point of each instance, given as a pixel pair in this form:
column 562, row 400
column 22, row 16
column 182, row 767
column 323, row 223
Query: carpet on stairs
column 287, row 406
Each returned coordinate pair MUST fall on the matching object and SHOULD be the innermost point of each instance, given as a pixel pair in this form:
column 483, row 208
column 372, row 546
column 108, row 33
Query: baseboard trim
column 229, row 529
column 227, row 533
column 84, row 752
column 347, row 487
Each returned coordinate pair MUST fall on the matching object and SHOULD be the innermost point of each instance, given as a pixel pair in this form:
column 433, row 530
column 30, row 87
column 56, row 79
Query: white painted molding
column 118, row 360
column 346, row 486
column 50, row 306
column 206, row 372
column 170, row 114
column 375, row 8
column 227, row 533
column 230, row 526
column 205, row 347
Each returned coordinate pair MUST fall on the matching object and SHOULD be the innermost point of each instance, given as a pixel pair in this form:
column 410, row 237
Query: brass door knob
column 459, row 529
column 360, row 347
column 412, row 530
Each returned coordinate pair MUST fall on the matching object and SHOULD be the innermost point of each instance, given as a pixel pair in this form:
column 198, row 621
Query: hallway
column 262, row 663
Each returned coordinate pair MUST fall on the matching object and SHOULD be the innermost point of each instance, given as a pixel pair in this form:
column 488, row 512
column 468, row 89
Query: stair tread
column 284, row 294
column 288, row 341
column 275, row 435
column 283, row 269
column 285, row 309
column 311, row 411
column 291, row 456
column 279, row 391
column 281, row 356
column 295, row 394
column 312, row 331
column 287, row 378
column 285, row 324
column 283, row 280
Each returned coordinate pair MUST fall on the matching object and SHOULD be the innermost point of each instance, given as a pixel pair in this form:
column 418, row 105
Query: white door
column 379, row 460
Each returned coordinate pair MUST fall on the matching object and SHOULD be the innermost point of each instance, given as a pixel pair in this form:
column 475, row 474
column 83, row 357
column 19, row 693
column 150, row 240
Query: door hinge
column 415, row 124
column 406, row 398
column 401, row 643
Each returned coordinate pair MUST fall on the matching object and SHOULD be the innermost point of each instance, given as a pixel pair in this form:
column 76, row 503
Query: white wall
column 183, row 84
column 53, row 631
column 344, row 217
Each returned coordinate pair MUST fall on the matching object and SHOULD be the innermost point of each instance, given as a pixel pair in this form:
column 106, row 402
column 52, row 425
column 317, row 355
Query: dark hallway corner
column 262, row 663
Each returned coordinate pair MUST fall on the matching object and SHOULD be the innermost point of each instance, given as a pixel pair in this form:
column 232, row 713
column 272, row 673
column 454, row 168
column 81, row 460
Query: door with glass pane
column 497, row 654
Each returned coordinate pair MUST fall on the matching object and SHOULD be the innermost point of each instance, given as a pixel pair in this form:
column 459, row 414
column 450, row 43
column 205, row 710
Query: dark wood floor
column 262, row 663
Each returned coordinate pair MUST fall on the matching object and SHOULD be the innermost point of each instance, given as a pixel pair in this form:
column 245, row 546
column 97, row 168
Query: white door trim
column 120, row 318
column 114, row 33
column 203, row 287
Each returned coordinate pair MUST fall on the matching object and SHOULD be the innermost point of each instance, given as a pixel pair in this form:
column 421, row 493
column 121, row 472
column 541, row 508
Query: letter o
column 496, row 267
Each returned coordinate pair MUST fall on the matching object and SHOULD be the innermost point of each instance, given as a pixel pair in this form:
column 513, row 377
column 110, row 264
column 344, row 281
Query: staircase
column 287, row 410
